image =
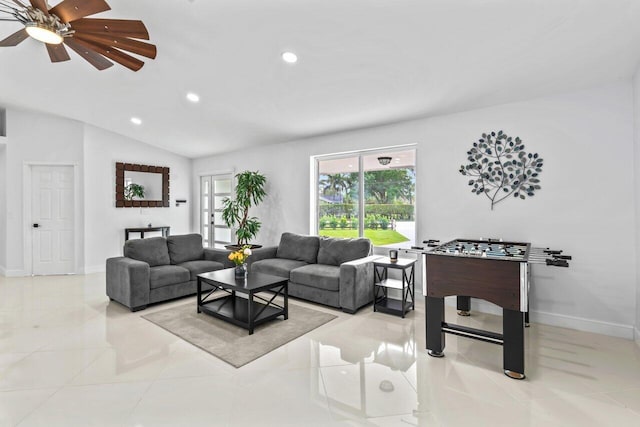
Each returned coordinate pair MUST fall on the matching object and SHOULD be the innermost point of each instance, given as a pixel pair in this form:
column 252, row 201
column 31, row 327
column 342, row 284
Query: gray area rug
column 231, row 343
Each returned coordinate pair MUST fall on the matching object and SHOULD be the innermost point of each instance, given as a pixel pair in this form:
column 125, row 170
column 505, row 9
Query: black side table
column 382, row 284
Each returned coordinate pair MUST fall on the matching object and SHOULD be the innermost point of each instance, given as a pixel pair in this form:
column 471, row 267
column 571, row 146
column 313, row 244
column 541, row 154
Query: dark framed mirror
column 141, row 186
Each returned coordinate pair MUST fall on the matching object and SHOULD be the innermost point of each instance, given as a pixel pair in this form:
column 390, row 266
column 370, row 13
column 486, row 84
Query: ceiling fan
column 93, row 39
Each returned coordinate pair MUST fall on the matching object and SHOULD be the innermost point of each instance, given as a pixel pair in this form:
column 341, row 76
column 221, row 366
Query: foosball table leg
column 513, row 345
column 463, row 305
column 434, row 319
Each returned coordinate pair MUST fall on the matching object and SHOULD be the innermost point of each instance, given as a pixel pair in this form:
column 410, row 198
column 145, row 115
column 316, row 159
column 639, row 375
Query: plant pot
column 238, row 247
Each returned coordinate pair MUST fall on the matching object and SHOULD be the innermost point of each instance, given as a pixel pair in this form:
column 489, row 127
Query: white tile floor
column 68, row 357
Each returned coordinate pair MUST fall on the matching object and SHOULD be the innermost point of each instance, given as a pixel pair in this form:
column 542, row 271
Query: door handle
column 36, row 225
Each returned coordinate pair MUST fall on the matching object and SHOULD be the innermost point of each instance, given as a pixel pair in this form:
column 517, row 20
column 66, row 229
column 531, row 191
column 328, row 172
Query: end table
column 382, row 284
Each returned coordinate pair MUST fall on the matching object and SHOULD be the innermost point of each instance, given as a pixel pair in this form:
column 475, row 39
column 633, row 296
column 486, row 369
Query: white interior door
column 52, row 217
column 213, row 190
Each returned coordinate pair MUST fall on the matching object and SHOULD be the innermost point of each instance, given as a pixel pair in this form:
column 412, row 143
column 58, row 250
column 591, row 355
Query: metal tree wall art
column 499, row 167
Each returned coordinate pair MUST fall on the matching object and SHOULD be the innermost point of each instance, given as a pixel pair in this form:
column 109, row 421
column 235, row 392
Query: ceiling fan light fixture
column 43, row 33
column 99, row 41
column 384, row 160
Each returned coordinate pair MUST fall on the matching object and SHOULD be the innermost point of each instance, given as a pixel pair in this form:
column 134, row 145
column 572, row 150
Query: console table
column 163, row 229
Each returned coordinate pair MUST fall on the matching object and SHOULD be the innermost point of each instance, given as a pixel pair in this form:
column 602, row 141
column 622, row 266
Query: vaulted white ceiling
column 361, row 63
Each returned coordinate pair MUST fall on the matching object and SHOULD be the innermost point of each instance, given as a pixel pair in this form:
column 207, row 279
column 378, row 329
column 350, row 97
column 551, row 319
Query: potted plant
column 235, row 213
column 133, row 190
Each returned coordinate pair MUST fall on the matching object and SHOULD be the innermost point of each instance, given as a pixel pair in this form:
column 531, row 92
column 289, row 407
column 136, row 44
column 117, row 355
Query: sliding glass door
column 370, row 194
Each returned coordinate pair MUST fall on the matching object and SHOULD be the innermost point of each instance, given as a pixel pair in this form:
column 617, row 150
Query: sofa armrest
column 262, row 253
column 356, row 283
column 218, row 255
column 128, row 282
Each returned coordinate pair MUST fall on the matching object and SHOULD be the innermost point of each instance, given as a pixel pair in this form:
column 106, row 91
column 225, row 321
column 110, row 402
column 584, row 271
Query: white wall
column 636, row 117
column 36, row 138
column 104, row 223
column 584, row 207
column 3, row 204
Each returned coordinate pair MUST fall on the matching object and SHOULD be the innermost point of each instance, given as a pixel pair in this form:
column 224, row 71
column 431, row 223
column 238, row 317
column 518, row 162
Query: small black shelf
column 382, row 284
column 392, row 306
column 391, row 284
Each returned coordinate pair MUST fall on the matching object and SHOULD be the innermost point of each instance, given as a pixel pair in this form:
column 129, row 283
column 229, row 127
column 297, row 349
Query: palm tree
column 335, row 184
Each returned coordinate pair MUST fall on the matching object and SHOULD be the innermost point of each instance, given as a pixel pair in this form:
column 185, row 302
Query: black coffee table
column 244, row 312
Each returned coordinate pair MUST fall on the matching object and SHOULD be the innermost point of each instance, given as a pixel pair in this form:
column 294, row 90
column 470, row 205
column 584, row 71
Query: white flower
column 247, row 251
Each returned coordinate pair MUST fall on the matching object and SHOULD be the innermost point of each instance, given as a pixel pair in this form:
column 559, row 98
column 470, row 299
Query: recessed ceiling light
column 289, row 57
column 193, row 97
column 136, row 121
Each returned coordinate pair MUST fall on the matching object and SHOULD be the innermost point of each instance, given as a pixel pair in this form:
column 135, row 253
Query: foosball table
column 489, row 269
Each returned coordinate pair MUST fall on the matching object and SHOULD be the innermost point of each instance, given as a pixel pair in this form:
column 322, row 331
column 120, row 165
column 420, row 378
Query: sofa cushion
column 165, row 275
column 153, row 250
column 276, row 266
column 200, row 266
column 298, row 247
column 336, row 251
column 185, row 247
column 318, row 276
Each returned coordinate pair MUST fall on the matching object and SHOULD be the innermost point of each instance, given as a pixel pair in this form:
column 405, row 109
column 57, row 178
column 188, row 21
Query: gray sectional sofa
column 334, row 272
column 158, row 269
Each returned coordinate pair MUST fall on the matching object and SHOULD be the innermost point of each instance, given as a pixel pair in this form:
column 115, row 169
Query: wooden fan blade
column 93, row 58
column 57, row 52
column 70, row 10
column 114, row 54
column 15, row 39
column 117, row 27
column 41, row 5
column 122, row 43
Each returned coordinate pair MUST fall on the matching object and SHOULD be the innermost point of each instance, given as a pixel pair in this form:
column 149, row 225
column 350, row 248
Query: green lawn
column 377, row 237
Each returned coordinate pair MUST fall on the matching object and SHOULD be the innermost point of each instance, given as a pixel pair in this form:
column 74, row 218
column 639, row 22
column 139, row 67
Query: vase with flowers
column 239, row 258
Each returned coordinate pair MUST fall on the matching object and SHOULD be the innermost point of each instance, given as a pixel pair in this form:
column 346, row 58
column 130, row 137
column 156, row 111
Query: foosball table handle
column 432, row 243
column 557, row 263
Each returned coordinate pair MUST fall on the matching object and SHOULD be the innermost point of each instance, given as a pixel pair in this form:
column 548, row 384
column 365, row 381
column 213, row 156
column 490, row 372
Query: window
column 370, row 194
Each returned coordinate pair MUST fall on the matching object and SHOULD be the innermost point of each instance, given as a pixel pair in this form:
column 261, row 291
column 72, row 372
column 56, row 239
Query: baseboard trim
column 95, row 269
column 582, row 324
column 21, row 273
column 564, row 321
column 14, row 273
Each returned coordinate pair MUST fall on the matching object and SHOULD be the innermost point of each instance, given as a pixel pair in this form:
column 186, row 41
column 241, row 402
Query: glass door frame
column 209, row 208
column 360, row 154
